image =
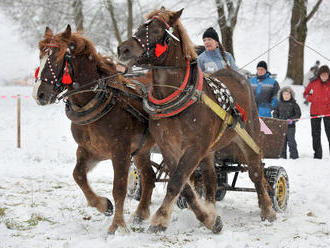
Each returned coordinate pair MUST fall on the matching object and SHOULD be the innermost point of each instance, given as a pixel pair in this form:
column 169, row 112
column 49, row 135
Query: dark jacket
column 287, row 110
column 265, row 91
column 318, row 93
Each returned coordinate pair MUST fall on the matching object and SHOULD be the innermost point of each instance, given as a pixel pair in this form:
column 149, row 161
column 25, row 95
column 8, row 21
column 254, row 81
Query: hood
column 279, row 95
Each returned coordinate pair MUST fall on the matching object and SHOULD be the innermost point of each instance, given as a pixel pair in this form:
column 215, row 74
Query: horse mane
column 79, row 45
column 187, row 45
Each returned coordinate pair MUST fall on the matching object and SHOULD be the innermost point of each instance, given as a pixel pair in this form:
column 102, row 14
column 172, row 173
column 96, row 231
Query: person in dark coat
column 318, row 93
column 265, row 90
column 288, row 109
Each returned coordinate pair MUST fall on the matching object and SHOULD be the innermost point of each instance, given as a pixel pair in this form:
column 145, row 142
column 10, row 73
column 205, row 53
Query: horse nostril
column 41, row 96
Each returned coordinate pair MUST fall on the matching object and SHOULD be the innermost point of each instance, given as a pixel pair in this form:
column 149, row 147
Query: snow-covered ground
column 41, row 206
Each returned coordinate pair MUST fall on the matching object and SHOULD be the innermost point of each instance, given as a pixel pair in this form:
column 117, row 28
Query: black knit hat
column 324, row 69
column 211, row 33
column 262, row 64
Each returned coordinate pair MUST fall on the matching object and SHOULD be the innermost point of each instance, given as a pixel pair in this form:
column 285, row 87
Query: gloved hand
column 290, row 121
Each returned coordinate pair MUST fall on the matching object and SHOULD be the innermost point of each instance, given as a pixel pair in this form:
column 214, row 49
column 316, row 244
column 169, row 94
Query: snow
column 41, row 205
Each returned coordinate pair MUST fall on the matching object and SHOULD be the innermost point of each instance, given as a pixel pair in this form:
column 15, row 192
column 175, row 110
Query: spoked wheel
column 134, row 183
column 279, row 182
column 222, row 180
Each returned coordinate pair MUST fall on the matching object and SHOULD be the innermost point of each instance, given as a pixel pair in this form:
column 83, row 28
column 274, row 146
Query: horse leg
column 121, row 164
column 85, row 163
column 256, row 174
column 148, row 178
column 209, row 177
column 178, row 179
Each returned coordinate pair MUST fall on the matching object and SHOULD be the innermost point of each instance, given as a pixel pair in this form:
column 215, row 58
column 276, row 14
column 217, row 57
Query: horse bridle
column 154, row 52
column 57, row 80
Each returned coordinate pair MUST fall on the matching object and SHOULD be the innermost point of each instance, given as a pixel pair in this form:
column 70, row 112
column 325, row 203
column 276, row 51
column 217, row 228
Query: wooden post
column 18, row 121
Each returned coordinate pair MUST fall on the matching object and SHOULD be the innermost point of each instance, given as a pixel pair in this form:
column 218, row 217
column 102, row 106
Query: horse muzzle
column 42, row 94
column 129, row 52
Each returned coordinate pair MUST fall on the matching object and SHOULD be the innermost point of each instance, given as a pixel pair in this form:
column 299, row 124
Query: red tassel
column 66, row 79
column 160, row 49
column 36, row 73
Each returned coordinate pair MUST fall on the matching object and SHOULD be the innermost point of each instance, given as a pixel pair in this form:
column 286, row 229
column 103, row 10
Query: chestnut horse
column 106, row 122
column 187, row 131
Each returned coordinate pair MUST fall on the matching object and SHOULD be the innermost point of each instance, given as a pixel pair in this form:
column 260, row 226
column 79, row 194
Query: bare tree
column 227, row 23
column 78, row 15
column 298, row 34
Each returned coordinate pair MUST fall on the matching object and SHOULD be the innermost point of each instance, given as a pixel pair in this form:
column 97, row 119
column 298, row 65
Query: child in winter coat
column 288, row 109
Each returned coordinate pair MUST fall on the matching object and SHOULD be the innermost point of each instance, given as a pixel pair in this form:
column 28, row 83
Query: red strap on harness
column 175, row 93
column 199, row 87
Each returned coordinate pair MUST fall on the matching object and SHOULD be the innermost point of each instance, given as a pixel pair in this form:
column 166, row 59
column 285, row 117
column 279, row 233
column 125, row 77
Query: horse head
column 53, row 75
column 68, row 61
column 153, row 39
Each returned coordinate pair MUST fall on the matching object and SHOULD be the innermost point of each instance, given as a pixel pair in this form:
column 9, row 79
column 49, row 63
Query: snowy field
column 42, row 207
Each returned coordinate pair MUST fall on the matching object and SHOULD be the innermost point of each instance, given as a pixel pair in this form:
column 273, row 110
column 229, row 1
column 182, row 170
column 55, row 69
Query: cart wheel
column 181, row 202
column 222, row 180
column 134, row 183
column 279, row 183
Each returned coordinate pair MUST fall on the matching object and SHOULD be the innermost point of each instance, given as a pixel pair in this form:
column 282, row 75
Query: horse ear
column 175, row 17
column 162, row 8
column 48, row 32
column 67, row 33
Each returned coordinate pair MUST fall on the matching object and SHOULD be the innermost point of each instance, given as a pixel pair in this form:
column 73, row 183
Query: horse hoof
column 156, row 229
column 218, row 225
column 109, row 210
column 137, row 220
column 111, row 232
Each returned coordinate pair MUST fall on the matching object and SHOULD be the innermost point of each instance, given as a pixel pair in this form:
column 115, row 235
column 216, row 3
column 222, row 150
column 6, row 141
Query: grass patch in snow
column 2, row 212
column 35, row 219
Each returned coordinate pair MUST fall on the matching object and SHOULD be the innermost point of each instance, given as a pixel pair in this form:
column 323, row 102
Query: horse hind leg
column 177, row 182
column 209, row 178
column 256, row 174
column 85, row 163
column 148, row 178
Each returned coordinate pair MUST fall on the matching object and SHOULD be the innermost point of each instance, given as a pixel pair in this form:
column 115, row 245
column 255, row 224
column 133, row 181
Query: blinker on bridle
column 161, row 47
column 64, row 77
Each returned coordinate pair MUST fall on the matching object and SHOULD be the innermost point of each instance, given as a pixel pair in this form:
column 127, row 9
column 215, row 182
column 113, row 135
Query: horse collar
column 181, row 99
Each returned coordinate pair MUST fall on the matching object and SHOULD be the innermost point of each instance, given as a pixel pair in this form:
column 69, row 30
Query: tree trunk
column 78, row 15
column 129, row 18
column 114, row 20
column 298, row 34
column 227, row 24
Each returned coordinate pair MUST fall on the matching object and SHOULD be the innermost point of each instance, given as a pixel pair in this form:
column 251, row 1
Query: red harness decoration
column 36, row 73
column 66, row 79
column 160, row 49
column 175, row 93
column 190, row 102
column 242, row 112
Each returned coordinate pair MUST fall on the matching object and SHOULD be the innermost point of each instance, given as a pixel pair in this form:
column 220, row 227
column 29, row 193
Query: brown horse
column 106, row 122
column 191, row 133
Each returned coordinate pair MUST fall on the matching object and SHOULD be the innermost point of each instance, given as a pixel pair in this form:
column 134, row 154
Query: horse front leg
column 148, row 178
column 121, row 164
column 179, row 177
column 85, row 162
column 256, row 174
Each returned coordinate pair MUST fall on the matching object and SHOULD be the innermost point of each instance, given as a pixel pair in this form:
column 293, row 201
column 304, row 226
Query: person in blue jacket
column 214, row 57
column 265, row 90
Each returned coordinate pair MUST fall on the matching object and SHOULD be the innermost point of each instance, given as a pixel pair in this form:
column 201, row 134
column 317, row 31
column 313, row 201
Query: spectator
column 288, row 109
column 214, row 57
column 311, row 75
column 265, row 90
column 318, row 93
